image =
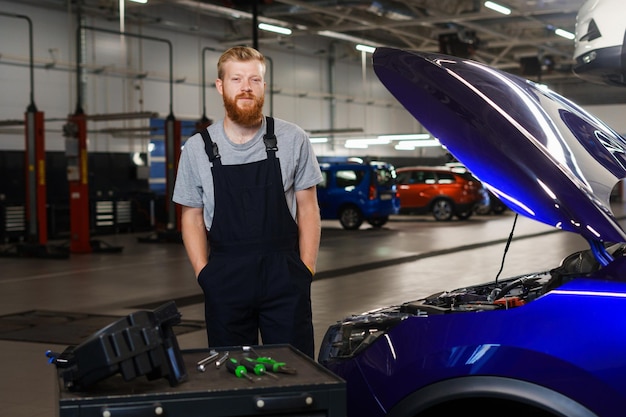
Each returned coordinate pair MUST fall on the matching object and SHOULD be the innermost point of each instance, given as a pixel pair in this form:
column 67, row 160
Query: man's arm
column 194, row 237
column 309, row 226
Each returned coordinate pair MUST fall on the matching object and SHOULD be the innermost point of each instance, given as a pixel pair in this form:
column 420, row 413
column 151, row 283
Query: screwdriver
column 238, row 370
column 272, row 365
column 256, row 368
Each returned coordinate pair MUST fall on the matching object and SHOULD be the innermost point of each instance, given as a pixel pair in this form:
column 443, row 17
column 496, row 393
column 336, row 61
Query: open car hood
column 541, row 154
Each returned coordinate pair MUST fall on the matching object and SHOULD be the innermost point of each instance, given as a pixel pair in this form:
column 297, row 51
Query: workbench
column 216, row 392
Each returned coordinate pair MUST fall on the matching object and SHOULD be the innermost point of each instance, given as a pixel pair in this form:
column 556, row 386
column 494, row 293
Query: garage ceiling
column 519, row 43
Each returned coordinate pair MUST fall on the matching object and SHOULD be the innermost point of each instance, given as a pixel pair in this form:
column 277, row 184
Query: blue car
column 548, row 344
column 356, row 192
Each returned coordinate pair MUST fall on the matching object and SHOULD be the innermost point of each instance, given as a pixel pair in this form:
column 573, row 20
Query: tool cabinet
column 313, row 391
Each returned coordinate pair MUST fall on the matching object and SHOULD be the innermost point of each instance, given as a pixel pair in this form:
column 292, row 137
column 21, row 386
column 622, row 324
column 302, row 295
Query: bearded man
column 250, row 218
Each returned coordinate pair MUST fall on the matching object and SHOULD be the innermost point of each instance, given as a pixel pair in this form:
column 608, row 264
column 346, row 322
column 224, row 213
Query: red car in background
column 443, row 191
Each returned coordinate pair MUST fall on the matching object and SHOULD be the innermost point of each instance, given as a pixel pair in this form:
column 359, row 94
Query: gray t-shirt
column 194, row 180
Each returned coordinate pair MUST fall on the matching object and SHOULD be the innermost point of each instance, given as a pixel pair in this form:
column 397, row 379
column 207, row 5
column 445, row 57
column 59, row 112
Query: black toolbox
column 312, row 391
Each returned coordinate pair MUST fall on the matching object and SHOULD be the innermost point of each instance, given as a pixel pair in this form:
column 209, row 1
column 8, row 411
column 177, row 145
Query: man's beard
column 248, row 116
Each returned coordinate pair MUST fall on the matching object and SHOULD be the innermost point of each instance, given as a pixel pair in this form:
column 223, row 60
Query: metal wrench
column 222, row 360
column 201, row 366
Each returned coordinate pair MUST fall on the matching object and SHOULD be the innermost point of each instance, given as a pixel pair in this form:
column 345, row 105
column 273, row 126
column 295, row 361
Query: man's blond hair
column 239, row 53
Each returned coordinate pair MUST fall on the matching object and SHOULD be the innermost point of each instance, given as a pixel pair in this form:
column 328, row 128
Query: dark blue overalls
column 255, row 280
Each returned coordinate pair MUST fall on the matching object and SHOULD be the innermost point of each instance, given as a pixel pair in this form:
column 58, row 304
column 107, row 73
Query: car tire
column 350, row 218
column 442, row 210
column 378, row 221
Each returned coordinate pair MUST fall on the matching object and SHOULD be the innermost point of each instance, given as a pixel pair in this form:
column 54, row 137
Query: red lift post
column 75, row 132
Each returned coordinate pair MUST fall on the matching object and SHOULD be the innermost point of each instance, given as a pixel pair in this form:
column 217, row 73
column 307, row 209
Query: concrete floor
column 411, row 257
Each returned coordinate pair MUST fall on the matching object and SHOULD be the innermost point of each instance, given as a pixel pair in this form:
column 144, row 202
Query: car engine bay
column 352, row 335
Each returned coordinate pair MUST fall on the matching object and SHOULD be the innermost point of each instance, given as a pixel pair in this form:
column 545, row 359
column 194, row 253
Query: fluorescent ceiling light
column 365, row 48
column 369, row 141
column 355, row 145
column 410, row 136
column 274, row 28
column 411, row 144
column 404, row 147
column 365, row 142
column 497, row 7
column 344, row 37
column 318, row 140
column 140, row 1
column 565, row 34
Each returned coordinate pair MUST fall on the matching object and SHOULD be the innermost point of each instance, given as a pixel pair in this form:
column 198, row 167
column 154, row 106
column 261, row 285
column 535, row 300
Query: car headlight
column 354, row 334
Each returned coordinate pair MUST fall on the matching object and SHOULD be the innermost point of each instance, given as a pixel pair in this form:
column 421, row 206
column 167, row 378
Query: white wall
column 300, row 82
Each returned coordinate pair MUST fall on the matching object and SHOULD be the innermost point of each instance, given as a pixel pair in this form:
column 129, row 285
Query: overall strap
column 271, row 144
column 210, row 147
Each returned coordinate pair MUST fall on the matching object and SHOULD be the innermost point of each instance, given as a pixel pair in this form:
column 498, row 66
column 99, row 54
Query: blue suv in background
column 356, row 192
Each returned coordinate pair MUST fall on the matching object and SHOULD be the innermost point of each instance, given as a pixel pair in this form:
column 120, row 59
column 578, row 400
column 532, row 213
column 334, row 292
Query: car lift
column 76, row 128
column 172, row 232
column 172, row 154
column 75, row 133
column 35, row 243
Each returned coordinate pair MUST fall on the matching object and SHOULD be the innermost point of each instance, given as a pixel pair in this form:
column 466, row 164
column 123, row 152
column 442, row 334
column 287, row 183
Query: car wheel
column 350, row 218
column 378, row 221
column 442, row 210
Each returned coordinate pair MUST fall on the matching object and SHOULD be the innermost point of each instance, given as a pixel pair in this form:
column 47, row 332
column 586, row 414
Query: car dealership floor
column 410, row 257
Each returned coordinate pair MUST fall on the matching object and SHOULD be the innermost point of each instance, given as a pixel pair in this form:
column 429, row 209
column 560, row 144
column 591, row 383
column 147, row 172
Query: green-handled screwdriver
column 273, row 365
column 235, row 368
column 256, row 367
